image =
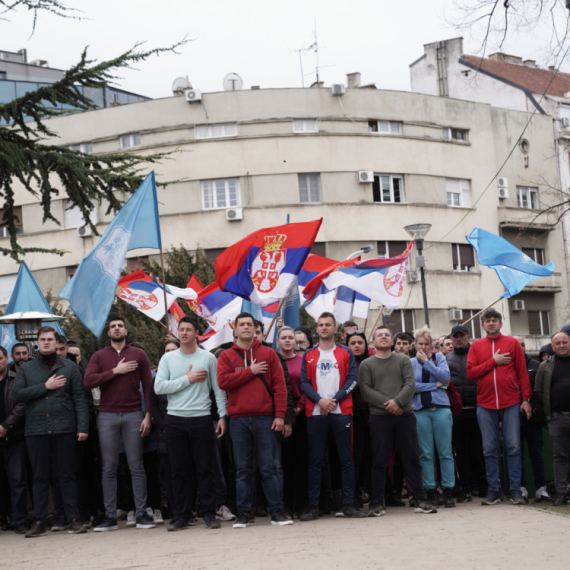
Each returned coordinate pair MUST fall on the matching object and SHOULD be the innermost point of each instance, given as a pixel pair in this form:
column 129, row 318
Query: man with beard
column 20, row 354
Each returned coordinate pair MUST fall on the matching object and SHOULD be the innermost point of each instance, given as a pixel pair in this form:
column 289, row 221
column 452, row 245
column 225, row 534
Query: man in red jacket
column 253, row 378
column 498, row 362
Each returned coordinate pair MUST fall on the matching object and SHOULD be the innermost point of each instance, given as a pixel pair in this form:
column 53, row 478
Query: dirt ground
column 469, row 536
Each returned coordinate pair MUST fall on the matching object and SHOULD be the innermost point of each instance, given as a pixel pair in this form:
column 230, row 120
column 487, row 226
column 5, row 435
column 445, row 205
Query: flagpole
column 376, row 322
column 477, row 314
column 274, row 318
column 164, row 291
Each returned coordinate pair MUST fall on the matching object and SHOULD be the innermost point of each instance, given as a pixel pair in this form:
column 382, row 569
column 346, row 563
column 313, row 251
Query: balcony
column 551, row 284
column 523, row 218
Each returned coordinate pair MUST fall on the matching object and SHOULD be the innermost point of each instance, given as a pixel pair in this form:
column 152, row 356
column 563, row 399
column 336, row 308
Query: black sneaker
column 107, row 524
column 76, row 527
column 37, row 529
column 425, row 507
column 21, row 528
column 492, row 498
column 560, row 500
column 517, row 497
column 211, row 522
column 448, row 498
column 311, row 513
column 464, row 497
column 180, row 522
column 242, row 520
column 280, row 519
column 145, row 521
column 376, row 509
column 58, row 524
column 431, row 497
column 350, row 511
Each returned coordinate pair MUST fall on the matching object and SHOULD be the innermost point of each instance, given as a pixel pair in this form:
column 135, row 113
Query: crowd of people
column 245, row 432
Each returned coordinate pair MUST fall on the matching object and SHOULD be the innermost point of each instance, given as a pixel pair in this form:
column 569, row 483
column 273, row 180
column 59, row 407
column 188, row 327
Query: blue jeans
column 253, row 434
column 489, row 425
column 435, row 427
column 318, row 430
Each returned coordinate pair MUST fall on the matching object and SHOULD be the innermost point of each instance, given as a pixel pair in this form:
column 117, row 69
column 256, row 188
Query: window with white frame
column 131, row 141
column 474, row 325
column 385, row 127
column 463, row 257
column 310, row 188
column 450, row 134
column 73, row 218
column 305, row 126
column 536, row 254
column 85, row 148
column 401, row 321
column 216, row 131
column 390, row 248
column 539, row 323
column 220, row 194
column 388, row 188
column 527, row 197
column 458, row 193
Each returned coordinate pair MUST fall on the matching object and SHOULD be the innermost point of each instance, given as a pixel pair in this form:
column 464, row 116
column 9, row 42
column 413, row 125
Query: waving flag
column 216, row 307
column 379, row 279
column 91, row 290
column 212, row 339
column 267, row 315
column 514, row 268
column 175, row 313
column 262, row 267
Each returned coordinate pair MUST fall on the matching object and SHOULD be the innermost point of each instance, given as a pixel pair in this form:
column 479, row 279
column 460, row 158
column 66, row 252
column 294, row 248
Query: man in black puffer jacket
column 467, row 440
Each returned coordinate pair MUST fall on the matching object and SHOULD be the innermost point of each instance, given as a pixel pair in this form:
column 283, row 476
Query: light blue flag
column 26, row 296
column 291, row 308
column 514, row 268
column 253, row 309
column 92, row 289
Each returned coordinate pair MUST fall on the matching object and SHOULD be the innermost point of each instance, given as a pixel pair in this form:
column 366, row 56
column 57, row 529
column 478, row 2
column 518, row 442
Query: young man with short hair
column 446, row 347
column 120, row 369
column 56, row 417
column 328, row 378
column 403, row 343
column 20, row 354
column 187, row 376
column 497, row 362
column 253, row 379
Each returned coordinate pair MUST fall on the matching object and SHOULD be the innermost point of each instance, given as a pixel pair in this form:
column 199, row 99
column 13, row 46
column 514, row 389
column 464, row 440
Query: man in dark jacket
column 56, row 417
column 531, row 432
column 467, row 440
column 13, row 445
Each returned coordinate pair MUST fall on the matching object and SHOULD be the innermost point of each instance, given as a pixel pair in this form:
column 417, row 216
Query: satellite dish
column 180, row 85
column 233, row 82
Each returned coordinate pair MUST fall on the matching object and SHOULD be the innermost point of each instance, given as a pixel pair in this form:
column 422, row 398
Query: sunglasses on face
column 350, row 333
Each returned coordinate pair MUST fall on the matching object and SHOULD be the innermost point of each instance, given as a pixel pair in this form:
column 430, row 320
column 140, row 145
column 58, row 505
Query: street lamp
column 420, row 231
column 364, row 249
column 27, row 324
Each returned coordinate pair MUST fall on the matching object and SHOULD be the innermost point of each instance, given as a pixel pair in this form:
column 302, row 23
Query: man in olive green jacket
column 57, row 416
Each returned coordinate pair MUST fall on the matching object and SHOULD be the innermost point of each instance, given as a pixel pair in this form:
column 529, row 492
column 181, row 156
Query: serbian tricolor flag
column 381, row 280
column 216, row 307
column 175, row 313
column 262, row 266
column 211, row 339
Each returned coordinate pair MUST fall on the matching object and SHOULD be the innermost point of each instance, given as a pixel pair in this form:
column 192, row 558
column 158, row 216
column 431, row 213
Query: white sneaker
column 157, row 516
column 224, row 514
column 131, row 519
column 339, row 513
column 524, row 492
column 542, row 495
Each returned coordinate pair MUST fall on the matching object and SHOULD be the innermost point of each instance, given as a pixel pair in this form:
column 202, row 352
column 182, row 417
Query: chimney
column 530, row 63
column 505, row 58
column 353, row 79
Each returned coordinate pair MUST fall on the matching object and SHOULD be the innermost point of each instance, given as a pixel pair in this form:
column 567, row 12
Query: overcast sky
column 257, row 39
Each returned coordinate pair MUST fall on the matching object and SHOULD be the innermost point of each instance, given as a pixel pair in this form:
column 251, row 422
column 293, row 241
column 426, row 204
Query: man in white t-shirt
column 328, row 377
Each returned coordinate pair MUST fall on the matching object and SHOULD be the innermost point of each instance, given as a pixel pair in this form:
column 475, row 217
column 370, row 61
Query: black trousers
column 361, row 449
column 190, row 443
column 295, row 460
column 13, row 461
column 384, row 429
column 57, row 453
column 468, row 446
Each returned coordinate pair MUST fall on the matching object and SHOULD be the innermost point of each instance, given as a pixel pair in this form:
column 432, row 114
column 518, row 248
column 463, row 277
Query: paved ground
column 469, row 536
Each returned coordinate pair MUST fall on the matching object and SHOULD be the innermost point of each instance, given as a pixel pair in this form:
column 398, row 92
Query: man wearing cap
column 466, row 433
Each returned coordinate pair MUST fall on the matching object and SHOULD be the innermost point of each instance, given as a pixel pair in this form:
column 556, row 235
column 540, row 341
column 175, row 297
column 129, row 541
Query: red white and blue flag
column 216, row 307
column 262, row 267
column 381, row 280
column 175, row 313
column 212, row 339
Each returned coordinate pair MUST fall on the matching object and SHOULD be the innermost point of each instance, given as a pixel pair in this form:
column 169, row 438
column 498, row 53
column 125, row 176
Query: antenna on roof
column 180, row 85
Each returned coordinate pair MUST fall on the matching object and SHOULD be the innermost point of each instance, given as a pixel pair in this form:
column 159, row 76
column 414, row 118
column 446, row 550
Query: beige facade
column 253, row 156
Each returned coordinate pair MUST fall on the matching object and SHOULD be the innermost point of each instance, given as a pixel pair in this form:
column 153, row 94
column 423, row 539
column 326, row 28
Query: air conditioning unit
column 337, row 89
column 365, row 176
column 234, row 214
column 455, row 314
column 414, row 276
column 84, row 231
column 502, row 182
column 518, row 305
column 503, row 193
column 193, row 95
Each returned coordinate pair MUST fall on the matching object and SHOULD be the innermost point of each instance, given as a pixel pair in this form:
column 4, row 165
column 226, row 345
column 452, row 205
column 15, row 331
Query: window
column 305, row 126
column 450, row 134
column 3, row 75
column 220, row 194
column 388, row 188
column 19, row 224
column 527, row 197
column 211, row 254
column 458, row 193
column 131, row 141
column 401, row 321
column 85, row 148
column 136, row 263
column 537, row 255
column 473, row 326
column 463, row 257
column 391, row 248
column 539, row 323
column 216, row 131
column 385, row 127
column 71, row 271
column 319, row 248
column 73, row 218
column 310, row 188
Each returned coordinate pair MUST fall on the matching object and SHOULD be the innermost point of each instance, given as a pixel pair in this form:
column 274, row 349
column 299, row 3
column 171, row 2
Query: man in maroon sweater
column 120, row 370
